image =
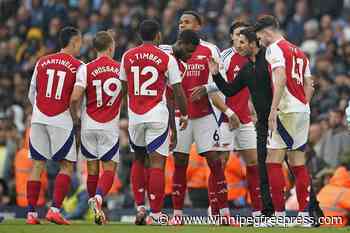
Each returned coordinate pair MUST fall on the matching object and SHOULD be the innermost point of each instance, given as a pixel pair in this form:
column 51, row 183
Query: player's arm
column 308, row 83
column 275, row 58
column 32, row 87
column 123, row 79
column 174, row 79
column 170, row 100
column 232, row 88
column 77, row 94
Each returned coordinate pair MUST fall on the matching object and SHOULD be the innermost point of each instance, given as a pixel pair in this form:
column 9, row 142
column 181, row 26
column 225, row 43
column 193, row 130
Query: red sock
column 33, row 191
column 213, row 200
column 179, row 187
column 91, row 184
column 62, row 185
column 254, row 187
column 156, row 189
column 105, row 183
column 217, row 171
column 302, row 183
column 138, row 184
column 277, row 185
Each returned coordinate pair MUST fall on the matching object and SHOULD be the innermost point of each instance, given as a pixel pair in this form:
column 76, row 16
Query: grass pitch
column 19, row 226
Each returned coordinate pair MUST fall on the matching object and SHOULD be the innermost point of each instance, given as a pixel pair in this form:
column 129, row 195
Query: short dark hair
column 189, row 37
column 250, row 34
column 66, row 34
column 149, row 29
column 266, row 21
column 195, row 15
column 102, row 41
column 238, row 23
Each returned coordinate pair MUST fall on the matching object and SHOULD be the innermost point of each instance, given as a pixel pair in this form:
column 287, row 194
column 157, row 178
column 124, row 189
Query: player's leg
column 297, row 161
column 223, row 139
column 63, row 148
column 204, row 129
column 181, row 157
column 138, row 175
column 246, row 144
column 89, row 152
column 157, row 139
column 278, row 144
column 39, row 152
column 108, row 153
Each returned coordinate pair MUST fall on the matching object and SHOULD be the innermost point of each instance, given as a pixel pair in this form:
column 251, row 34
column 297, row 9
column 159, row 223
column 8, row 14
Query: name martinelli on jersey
column 103, row 69
column 62, row 62
column 146, row 56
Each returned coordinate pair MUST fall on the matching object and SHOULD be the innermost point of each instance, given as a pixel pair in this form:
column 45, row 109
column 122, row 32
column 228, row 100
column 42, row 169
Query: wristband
column 229, row 113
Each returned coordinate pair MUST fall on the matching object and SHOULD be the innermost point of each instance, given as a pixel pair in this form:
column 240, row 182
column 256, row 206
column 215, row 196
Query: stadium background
column 29, row 29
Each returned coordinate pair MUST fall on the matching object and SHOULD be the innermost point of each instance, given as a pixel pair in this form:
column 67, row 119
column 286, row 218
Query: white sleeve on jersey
column 32, row 88
column 307, row 72
column 81, row 80
column 274, row 56
column 122, row 73
column 173, row 73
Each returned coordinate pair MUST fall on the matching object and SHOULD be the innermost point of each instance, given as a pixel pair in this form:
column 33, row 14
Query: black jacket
column 255, row 76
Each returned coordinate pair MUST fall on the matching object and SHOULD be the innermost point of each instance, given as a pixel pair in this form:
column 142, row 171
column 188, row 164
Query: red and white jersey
column 101, row 108
column 51, row 87
column 232, row 63
column 284, row 54
column 197, row 74
column 148, row 70
column 182, row 68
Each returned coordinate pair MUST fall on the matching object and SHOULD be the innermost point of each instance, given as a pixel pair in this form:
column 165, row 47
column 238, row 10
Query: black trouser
column 262, row 134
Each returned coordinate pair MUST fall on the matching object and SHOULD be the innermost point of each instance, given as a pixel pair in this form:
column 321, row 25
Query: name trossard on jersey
column 102, row 101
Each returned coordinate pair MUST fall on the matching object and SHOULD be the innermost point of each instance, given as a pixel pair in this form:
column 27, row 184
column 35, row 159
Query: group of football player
column 73, row 102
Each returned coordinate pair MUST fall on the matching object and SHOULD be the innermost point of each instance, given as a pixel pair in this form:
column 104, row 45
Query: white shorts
column 50, row 142
column 243, row 138
column 292, row 131
column 199, row 131
column 150, row 137
column 100, row 145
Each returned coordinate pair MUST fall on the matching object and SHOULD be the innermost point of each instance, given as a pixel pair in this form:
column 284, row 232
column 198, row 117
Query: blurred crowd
column 29, row 29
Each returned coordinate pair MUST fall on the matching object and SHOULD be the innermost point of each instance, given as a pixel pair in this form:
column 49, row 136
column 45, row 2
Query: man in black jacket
column 254, row 75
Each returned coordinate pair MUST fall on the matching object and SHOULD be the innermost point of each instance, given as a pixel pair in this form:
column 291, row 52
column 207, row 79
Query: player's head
column 247, row 42
column 235, row 28
column 104, row 43
column 190, row 20
column 70, row 38
column 267, row 28
column 150, row 31
column 186, row 44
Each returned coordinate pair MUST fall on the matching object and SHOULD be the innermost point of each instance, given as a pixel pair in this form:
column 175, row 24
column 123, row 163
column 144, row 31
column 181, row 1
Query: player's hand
column 273, row 120
column 173, row 140
column 197, row 93
column 183, row 122
column 213, row 66
column 233, row 122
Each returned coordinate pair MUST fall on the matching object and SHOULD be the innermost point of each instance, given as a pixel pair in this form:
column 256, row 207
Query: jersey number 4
column 143, row 89
column 106, row 88
column 297, row 70
column 61, row 76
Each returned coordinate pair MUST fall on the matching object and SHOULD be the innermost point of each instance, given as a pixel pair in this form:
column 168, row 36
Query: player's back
column 103, row 94
column 53, row 80
column 284, row 53
column 146, row 69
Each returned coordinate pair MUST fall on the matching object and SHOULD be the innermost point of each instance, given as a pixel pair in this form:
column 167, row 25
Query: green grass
column 18, row 226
